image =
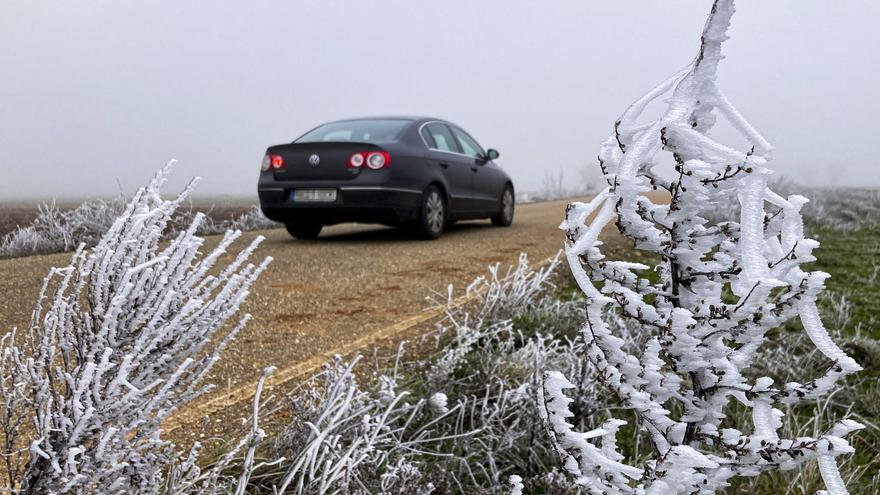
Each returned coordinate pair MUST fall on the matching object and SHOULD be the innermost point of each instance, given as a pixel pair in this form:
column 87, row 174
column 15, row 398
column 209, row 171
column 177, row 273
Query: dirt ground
column 12, row 216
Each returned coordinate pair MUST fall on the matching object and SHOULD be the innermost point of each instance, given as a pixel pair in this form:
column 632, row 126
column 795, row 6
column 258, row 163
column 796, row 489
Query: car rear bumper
column 366, row 204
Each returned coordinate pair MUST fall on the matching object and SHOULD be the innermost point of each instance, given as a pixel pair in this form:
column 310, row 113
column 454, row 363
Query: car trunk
column 332, row 160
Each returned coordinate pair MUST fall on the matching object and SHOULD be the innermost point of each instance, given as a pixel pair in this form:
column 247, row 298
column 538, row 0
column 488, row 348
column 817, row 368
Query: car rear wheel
column 432, row 217
column 508, row 203
column 304, row 230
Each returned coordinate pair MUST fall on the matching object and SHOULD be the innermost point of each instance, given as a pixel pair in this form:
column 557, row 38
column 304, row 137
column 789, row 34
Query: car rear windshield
column 359, row 131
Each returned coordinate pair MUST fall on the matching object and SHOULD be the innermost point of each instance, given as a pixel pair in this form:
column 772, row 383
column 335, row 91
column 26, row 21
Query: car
column 417, row 172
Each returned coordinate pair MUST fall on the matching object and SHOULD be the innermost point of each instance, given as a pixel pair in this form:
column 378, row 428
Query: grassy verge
column 853, row 260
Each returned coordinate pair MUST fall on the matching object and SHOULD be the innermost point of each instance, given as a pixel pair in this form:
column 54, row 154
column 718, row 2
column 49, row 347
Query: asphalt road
column 353, row 287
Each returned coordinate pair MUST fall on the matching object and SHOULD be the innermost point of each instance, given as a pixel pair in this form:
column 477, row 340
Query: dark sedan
column 400, row 171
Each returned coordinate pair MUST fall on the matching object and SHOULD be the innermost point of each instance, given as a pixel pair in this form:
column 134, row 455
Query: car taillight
column 378, row 159
column 267, row 163
column 356, row 160
column 277, row 162
column 372, row 159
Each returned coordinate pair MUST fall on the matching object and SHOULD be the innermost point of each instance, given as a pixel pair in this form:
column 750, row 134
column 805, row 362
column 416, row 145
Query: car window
column 340, row 135
column 442, row 138
column 426, row 137
column 468, row 145
column 361, row 131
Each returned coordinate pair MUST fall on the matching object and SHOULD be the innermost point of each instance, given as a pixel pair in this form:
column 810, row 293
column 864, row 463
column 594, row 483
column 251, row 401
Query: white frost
column 701, row 347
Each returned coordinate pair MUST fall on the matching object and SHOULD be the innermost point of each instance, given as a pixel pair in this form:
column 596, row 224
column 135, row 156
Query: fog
column 95, row 96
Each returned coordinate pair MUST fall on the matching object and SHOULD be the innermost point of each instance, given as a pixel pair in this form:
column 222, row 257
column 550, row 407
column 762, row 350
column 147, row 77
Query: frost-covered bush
column 842, row 209
column 230, row 474
column 458, row 419
column 491, row 355
column 119, row 339
column 414, row 427
column 720, row 288
column 56, row 230
column 349, row 439
column 252, row 219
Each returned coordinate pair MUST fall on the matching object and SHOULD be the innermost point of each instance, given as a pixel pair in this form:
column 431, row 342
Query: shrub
column 722, row 287
column 457, row 419
column 55, row 230
column 119, row 340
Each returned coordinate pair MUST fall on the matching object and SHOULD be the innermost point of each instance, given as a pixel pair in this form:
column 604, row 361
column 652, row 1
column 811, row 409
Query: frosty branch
column 722, row 286
column 119, row 340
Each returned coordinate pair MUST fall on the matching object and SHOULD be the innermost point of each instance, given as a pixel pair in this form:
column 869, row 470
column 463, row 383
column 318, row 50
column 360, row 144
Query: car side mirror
column 492, row 154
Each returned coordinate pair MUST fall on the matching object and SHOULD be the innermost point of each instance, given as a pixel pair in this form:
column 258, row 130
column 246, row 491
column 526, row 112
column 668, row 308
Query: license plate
column 313, row 195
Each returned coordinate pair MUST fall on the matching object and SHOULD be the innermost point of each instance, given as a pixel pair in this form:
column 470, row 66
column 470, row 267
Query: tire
column 433, row 214
column 304, row 230
column 508, row 204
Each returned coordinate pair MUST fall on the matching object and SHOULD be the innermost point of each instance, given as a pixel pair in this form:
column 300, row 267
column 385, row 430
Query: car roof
column 411, row 118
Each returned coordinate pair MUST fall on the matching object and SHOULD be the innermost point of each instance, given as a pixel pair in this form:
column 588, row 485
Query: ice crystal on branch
column 722, row 286
column 119, row 339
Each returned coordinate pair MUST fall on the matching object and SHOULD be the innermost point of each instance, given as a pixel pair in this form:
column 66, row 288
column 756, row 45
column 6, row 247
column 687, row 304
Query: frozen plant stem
column 722, row 286
column 119, row 340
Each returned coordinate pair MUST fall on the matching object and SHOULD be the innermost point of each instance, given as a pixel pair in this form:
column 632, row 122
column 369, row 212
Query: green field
column 853, row 260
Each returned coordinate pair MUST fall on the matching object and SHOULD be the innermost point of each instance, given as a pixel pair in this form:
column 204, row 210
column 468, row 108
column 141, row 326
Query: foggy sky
column 98, row 94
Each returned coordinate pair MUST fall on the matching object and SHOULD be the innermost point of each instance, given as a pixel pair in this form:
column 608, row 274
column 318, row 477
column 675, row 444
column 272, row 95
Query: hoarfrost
column 723, row 284
column 119, row 340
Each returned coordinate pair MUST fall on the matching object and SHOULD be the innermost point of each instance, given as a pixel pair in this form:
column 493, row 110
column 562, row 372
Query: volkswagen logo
column 314, row 160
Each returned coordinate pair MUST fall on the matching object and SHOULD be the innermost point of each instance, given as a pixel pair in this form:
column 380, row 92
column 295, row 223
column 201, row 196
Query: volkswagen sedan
column 416, row 172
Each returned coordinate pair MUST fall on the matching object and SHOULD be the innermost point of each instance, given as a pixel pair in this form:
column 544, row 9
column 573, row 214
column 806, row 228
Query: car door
column 485, row 181
column 444, row 152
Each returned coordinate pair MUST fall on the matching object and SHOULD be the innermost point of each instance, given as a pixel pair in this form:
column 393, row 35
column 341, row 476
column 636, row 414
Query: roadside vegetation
column 120, row 338
column 57, row 230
